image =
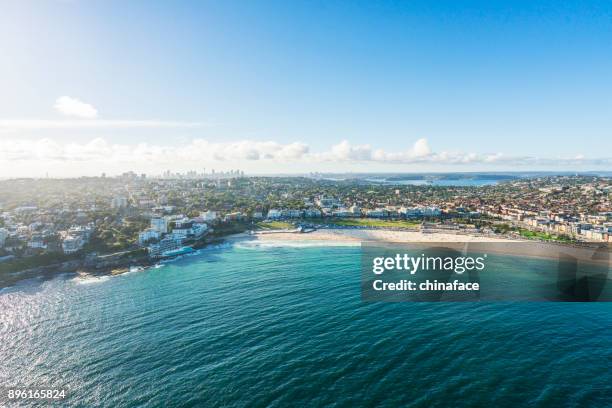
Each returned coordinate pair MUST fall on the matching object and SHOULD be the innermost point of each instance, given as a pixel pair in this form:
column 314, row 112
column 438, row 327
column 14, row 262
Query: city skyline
column 330, row 87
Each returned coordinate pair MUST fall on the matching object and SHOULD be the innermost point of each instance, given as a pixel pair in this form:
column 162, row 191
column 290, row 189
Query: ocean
column 247, row 325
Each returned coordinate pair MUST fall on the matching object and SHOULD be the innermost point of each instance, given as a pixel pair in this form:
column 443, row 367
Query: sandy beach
column 478, row 243
column 360, row 235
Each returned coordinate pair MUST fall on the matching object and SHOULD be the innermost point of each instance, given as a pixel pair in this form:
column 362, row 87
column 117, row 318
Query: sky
column 292, row 87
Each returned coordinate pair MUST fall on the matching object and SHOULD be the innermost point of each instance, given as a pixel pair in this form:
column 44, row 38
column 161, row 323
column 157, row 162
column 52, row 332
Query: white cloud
column 69, row 106
column 198, row 152
column 193, row 152
column 421, row 148
column 74, row 107
column 344, row 151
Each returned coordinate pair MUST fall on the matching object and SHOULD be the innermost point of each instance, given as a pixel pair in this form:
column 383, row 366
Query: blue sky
column 303, row 86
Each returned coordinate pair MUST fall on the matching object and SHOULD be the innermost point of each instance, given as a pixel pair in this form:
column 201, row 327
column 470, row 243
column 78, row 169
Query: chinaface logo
column 485, row 271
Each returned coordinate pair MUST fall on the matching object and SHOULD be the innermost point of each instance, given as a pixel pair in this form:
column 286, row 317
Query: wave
column 223, row 245
column 88, row 280
column 294, row 244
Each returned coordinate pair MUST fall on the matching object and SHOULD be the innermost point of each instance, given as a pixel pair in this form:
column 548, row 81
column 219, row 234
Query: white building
column 292, row 213
column 312, row 213
column 420, row 211
column 410, row 212
column 274, row 214
column 148, row 235
column 431, row 211
column 159, row 224
column 327, row 202
column 37, row 242
column 596, row 234
column 84, row 232
column 168, row 243
column 208, row 215
column 190, row 230
column 75, row 238
column 72, row 243
column 342, row 212
column 183, row 231
column 182, row 221
column 199, row 230
column 377, row 213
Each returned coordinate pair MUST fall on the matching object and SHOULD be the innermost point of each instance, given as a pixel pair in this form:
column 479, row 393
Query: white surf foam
column 88, row 280
column 294, row 244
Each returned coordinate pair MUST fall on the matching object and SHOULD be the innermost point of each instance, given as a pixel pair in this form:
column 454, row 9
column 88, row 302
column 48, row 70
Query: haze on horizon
column 276, row 87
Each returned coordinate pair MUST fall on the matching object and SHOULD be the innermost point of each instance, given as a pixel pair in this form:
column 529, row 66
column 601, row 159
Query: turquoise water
column 285, row 326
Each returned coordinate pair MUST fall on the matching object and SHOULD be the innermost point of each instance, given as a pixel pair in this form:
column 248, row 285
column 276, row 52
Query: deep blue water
column 285, row 326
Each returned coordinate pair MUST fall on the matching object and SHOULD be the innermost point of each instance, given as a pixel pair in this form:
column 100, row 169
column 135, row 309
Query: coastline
column 461, row 242
column 379, row 235
column 328, row 236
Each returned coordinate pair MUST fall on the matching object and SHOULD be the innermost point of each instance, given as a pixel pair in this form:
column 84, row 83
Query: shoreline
column 460, row 242
column 518, row 247
column 378, row 235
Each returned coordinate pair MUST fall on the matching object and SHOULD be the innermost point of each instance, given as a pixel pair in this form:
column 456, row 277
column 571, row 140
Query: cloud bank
column 198, row 152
